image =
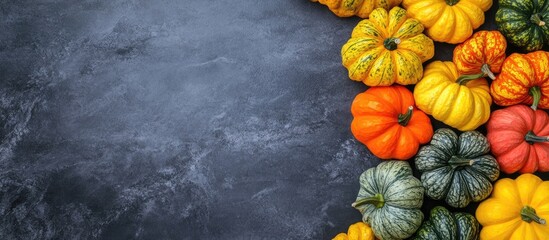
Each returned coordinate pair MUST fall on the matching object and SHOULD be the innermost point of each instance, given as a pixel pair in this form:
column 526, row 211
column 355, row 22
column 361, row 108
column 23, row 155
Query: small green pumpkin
column 390, row 198
column 524, row 23
column 443, row 225
column 457, row 168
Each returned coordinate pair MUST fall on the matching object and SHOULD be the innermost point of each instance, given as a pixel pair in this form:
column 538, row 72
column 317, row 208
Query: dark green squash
column 525, row 23
column 390, row 198
column 444, row 225
column 457, row 168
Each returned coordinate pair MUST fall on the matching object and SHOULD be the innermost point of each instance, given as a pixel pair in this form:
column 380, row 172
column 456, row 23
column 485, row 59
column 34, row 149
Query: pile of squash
column 391, row 52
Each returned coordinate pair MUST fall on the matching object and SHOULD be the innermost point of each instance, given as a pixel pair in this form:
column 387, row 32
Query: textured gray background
column 175, row 119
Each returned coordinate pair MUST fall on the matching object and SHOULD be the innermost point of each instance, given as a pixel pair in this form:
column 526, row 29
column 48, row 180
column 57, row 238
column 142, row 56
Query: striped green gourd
column 457, row 168
column 524, row 23
column 390, row 198
column 444, row 225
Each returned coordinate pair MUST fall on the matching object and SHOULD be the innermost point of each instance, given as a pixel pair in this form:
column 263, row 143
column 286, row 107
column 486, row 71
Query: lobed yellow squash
column 462, row 102
column 357, row 231
column 360, row 8
column 517, row 209
column 387, row 48
column 450, row 21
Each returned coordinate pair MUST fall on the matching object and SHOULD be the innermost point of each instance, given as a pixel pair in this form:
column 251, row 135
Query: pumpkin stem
column 459, row 162
column 528, row 214
column 486, row 70
column 391, row 43
column 452, row 2
column 535, row 92
column 377, row 200
column 536, row 18
column 532, row 138
column 463, row 79
column 404, row 118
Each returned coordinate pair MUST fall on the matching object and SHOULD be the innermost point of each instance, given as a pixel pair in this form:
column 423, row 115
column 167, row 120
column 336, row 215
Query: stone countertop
column 167, row 119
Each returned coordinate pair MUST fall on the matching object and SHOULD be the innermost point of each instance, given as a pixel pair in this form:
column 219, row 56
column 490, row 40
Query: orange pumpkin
column 483, row 52
column 524, row 78
column 388, row 123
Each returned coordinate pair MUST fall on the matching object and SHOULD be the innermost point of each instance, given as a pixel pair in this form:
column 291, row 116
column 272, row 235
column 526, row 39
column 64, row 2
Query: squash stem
column 463, row 79
column 391, row 43
column 452, row 2
column 404, row 118
column 535, row 92
column 377, row 200
column 486, row 70
column 528, row 214
column 460, row 162
column 532, row 138
column 536, row 18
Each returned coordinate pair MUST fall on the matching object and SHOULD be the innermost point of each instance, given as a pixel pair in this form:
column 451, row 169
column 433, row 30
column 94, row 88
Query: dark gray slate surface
column 167, row 119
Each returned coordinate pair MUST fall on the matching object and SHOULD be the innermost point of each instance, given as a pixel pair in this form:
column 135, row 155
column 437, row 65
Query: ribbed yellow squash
column 357, row 231
column 450, row 21
column 462, row 102
column 387, row 48
column 518, row 209
column 360, row 8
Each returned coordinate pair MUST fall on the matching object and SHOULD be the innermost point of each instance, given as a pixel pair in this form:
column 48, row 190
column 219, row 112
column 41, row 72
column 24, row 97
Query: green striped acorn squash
column 444, row 225
column 524, row 23
column 457, row 168
column 390, row 198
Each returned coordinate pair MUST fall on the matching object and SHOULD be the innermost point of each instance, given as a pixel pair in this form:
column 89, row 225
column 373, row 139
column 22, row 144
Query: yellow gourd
column 450, row 21
column 357, row 231
column 360, row 8
column 387, row 48
column 517, row 209
column 462, row 102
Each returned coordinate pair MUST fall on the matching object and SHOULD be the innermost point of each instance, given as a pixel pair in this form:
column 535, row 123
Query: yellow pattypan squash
column 357, row 231
column 517, row 209
column 360, row 8
column 462, row 102
column 450, row 21
column 387, row 48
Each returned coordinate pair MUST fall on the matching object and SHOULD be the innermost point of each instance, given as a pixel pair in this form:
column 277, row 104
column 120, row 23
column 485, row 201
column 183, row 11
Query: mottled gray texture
column 175, row 120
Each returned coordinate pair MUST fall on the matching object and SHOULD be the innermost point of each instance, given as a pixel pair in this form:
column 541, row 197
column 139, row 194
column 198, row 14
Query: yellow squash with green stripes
column 460, row 101
column 387, row 48
column 360, row 8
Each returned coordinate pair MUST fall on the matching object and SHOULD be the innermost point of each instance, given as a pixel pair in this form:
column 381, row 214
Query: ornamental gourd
column 462, row 102
column 386, row 121
column 524, row 78
column 443, row 224
column 360, row 8
column 519, row 137
column 387, row 48
column 390, row 200
column 517, row 209
column 524, row 23
column 357, row 231
column 484, row 52
column 450, row 21
column 457, row 168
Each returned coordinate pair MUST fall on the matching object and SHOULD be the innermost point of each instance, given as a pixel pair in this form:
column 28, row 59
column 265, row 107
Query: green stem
column 535, row 92
column 463, row 79
column 391, row 43
column 404, row 118
column 452, row 2
column 459, row 162
column 536, row 19
column 486, row 70
column 377, row 200
column 532, row 138
column 528, row 214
